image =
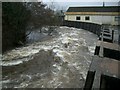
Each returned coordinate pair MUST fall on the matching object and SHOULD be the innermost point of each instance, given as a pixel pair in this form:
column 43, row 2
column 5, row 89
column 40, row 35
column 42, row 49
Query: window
column 117, row 18
column 87, row 18
column 77, row 18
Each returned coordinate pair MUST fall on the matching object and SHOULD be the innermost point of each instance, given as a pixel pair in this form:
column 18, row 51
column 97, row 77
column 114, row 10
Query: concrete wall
column 94, row 19
column 94, row 28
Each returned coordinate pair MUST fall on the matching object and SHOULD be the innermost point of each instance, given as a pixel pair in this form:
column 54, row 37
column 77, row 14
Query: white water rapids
column 60, row 62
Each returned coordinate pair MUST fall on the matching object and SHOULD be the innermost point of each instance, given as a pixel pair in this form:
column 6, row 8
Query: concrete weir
column 104, row 69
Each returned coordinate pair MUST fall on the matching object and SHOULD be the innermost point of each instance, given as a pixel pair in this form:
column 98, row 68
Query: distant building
column 98, row 15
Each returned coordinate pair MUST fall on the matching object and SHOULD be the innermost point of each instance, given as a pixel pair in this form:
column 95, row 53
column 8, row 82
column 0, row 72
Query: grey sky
column 64, row 4
column 81, row 0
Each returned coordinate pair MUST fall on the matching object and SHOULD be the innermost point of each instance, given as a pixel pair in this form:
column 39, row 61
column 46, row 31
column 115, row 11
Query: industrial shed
column 97, row 14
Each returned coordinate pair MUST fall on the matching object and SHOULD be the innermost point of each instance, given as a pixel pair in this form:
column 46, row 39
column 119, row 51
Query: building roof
column 95, row 9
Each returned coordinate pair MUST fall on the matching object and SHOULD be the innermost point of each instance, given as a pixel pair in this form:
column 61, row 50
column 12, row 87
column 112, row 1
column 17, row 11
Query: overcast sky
column 82, row 0
column 64, row 4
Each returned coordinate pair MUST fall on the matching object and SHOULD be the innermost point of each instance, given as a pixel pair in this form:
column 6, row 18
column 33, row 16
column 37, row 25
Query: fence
column 95, row 28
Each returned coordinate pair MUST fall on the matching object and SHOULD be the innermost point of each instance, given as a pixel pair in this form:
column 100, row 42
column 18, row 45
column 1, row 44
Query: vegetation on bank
column 19, row 17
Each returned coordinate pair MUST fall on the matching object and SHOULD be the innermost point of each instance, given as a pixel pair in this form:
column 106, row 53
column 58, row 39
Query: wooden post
column 112, row 35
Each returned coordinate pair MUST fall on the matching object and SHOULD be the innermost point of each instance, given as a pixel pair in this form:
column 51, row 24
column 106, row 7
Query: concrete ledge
column 104, row 71
column 100, row 69
column 108, row 45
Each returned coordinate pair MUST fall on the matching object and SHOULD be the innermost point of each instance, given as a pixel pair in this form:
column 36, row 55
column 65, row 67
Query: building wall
column 99, row 19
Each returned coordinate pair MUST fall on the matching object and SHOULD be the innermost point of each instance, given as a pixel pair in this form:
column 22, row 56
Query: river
column 60, row 60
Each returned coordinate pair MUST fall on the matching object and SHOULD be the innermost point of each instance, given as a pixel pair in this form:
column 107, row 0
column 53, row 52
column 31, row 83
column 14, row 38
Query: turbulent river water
column 57, row 61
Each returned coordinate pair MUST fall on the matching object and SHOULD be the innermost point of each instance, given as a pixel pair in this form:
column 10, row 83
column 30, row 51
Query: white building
column 98, row 15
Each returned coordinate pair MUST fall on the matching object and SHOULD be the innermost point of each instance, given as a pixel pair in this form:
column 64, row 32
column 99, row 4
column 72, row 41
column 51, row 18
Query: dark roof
column 94, row 9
